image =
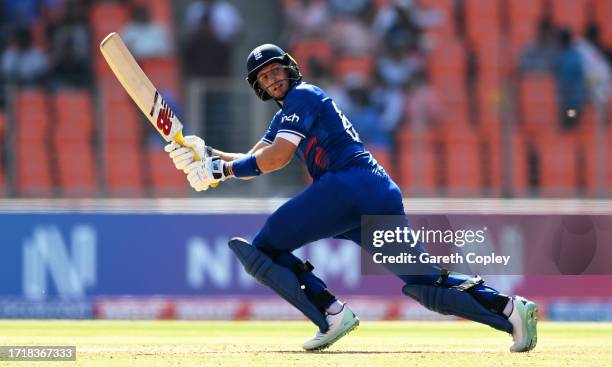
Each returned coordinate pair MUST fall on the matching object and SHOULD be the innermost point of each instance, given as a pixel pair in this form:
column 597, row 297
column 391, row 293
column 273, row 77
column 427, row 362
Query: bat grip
column 180, row 140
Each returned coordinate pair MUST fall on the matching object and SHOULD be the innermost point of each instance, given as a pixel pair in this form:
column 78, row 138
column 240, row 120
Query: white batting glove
column 201, row 174
column 183, row 156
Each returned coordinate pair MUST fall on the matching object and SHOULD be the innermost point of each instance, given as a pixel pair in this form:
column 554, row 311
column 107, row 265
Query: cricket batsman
column 347, row 184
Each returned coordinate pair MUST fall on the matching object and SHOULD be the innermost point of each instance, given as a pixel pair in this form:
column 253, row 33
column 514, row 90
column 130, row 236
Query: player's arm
column 273, row 157
column 228, row 157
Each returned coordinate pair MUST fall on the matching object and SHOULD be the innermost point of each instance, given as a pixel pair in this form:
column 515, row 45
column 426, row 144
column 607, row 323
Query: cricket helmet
column 264, row 55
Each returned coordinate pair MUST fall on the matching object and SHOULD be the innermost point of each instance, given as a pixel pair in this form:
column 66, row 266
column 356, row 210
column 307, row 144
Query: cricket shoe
column 524, row 320
column 340, row 324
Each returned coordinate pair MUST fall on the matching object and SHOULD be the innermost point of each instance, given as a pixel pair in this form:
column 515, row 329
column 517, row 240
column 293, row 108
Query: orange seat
column 462, row 171
column 33, row 173
column 538, row 104
column 505, row 159
column 483, row 21
column 418, row 163
column 163, row 72
column 166, row 180
column 32, row 115
column 121, row 120
column 523, row 18
column 448, row 58
column 74, row 116
column 123, row 169
column 557, row 157
column 601, row 11
column 489, row 99
column 354, row 65
column 76, row 169
column 570, row 13
column 105, row 17
column 306, row 50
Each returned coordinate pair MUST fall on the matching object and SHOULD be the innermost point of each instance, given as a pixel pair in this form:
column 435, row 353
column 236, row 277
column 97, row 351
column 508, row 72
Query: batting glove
column 202, row 174
column 183, row 156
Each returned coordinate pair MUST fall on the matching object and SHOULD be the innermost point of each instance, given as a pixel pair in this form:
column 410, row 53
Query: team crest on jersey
column 290, row 118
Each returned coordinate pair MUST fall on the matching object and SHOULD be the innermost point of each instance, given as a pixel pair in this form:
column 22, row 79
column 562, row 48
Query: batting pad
column 281, row 279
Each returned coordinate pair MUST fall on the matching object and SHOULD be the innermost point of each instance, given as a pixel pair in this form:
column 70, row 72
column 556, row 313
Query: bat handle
column 180, row 140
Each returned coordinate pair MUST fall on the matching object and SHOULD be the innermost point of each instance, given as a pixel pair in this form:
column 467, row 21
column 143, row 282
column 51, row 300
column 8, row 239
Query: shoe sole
column 531, row 327
column 338, row 337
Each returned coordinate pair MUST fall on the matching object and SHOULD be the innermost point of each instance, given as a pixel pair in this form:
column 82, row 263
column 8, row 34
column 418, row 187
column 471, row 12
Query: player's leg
column 452, row 293
column 323, row 210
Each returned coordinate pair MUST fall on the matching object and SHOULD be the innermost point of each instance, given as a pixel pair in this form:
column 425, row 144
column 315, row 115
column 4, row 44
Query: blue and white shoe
column 524, row 320
column 340, row 324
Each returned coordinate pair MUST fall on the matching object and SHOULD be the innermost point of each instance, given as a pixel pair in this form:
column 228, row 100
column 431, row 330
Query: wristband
column 244, row 167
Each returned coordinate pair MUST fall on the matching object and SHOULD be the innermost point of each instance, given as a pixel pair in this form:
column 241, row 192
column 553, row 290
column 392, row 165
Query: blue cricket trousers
column 332, row 207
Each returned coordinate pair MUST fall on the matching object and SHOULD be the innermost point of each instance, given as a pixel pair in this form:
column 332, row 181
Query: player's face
column 273, row 79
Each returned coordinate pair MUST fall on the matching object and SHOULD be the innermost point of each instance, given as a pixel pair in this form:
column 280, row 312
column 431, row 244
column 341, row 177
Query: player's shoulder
column 306, row 93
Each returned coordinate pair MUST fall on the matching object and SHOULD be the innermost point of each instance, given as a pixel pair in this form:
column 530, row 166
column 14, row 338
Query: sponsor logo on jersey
column 290, row 118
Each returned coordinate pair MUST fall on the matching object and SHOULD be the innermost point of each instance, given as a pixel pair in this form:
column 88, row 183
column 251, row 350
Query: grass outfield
column 394, row 343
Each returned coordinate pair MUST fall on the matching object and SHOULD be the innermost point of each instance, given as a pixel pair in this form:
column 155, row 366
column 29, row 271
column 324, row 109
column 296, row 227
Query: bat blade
column 140, row 89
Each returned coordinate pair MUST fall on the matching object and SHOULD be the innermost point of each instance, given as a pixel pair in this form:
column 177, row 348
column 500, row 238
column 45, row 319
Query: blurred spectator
column 307, row 18
column 540, row 56
column 592, row 34
column 205, row 55
column 570, row 76
column 352, row 36
column 21, row 13
column 399, row 15
column 144, row 37
column 399, row 62
column 70, row 49
column 374, row 111
column 22, row 62
column 354, row 8
column 596, row 68
column 224, row 18
column 423, row 109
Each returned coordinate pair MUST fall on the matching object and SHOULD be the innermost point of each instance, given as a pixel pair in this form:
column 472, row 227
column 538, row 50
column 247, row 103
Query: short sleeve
column 270, row 134
column 298, row 113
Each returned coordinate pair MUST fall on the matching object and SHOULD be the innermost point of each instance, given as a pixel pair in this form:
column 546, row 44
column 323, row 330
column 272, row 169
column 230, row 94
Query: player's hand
column 201, row 174
column 183, row 156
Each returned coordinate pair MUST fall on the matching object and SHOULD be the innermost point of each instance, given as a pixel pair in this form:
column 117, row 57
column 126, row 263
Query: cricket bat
column 141, row 90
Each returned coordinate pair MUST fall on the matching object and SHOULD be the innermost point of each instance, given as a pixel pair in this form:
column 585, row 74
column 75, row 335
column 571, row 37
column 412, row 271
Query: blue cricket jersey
column 329, row 141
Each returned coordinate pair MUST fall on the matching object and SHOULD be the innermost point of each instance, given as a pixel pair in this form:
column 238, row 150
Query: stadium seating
column 601, row 11
column 419, row 163
column 33, row 163
column 523, row 17
column 2, row 154
column 570, row 13
column 123, row 165
column 105, row 17
column 347, row 65
column 72, row 142
column 557, row 163
column 537, row 104
column 311, row 50
column 166, row 180
column 164, row 74
column 461, row 165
